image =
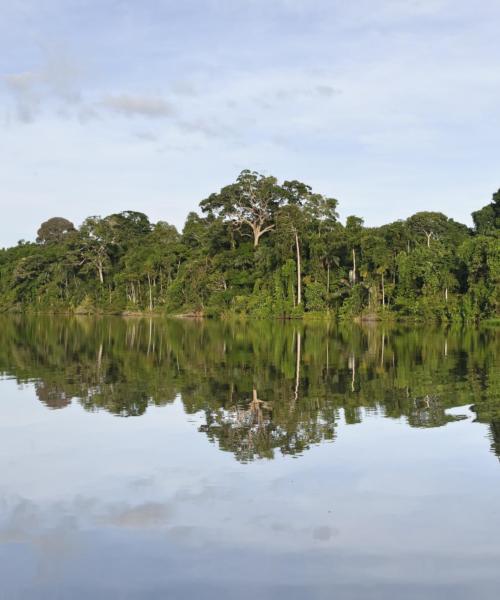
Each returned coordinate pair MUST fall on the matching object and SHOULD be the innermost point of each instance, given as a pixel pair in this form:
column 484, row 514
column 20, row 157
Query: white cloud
column 56, row 79
column 153, row 107
column 391, row 106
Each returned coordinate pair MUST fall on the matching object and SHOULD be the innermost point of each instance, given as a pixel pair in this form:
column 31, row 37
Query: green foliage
column 54, row 230
column 262, row 249
column 487, row 219
column 315, row 293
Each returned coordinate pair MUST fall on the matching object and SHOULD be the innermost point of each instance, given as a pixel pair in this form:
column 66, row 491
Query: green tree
column 54, row 230
column 487, row 219
column 249, row 204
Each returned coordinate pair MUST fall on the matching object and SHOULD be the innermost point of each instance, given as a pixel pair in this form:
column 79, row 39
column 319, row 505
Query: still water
column 181, row 460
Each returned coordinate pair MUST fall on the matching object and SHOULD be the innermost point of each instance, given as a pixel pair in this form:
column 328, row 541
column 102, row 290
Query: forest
column 261, row 248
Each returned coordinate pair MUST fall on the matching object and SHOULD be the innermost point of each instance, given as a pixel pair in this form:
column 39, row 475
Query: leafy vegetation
column 263, row 249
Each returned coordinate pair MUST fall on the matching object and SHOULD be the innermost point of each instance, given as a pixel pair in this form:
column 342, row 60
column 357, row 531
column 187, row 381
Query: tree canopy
column 265, row 249
column 54, row 230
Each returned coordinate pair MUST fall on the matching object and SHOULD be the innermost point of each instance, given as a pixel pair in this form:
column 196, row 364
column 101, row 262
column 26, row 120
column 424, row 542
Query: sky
column 390, row 106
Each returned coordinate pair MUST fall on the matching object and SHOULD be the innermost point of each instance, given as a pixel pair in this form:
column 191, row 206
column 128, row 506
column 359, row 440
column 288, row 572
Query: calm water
column 175, row 460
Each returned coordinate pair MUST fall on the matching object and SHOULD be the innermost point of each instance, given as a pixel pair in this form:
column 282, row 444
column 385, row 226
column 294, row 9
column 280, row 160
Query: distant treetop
column 54, row 230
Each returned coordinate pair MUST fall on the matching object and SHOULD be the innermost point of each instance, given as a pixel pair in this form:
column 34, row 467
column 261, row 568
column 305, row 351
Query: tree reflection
column 263, row 386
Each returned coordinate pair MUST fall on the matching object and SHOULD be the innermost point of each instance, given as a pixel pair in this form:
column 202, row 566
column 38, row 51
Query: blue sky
column 391, row 106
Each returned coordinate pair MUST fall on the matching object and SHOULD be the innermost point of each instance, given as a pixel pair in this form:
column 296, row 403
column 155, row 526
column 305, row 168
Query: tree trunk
column 258, row 230
column 299, row 282
column 383, row 292
column 354, row 266
column 256, row 236
column 150, row 294
column 328, row 278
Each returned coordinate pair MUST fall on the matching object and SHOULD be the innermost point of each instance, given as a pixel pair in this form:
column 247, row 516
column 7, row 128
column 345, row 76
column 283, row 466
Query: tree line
column 264, row 249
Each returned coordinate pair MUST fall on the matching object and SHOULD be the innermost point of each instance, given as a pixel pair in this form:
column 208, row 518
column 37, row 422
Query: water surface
column 179, row 459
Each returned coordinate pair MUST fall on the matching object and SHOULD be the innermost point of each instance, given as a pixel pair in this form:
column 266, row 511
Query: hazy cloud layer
column 389, row 106
column 56, row 80
column 145, row 106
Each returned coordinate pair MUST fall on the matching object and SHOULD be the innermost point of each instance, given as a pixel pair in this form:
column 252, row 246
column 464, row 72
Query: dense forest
column 263, row 249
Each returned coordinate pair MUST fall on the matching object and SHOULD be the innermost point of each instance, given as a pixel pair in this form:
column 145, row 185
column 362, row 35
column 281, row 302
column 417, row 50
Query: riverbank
column 386, row 317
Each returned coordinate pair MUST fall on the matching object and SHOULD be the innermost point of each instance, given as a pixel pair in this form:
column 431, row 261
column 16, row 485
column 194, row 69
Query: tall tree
column 436, row 226
column 98, row 238
column 487, row 219
column 53, row 230
column 353, row 230
column 250, row 204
